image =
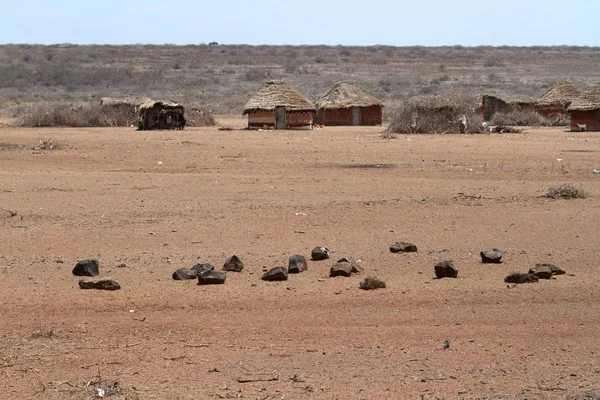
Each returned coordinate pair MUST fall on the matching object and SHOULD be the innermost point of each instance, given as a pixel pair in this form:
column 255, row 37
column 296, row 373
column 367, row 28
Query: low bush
column 565, row 191
column 63, row 114
column 526, row 118
column 198, row 116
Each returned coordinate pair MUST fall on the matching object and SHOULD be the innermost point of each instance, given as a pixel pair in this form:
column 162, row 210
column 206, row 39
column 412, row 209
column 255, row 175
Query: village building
column 161, row 115
column 346, row 104
column 278, row 105
column 585, row 110
column 492, row 104
column 554, row 103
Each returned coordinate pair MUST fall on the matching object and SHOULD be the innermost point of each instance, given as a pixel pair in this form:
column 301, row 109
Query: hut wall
column 260, row 119
column 371, row 115
column 550, row 111
column 336, row 116
column 491, row 105
column 299, row 119
column 525, row 107
column 589, row 118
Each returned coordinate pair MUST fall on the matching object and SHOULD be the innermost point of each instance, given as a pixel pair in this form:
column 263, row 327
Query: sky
column 278, row 22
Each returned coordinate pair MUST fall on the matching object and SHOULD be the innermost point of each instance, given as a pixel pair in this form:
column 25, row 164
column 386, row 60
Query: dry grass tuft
column 565, row 191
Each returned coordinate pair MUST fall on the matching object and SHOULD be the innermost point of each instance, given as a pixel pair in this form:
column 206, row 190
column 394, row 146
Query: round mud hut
column 278, row 105
column 585, row 110
column 554, row 102
column 156, row 114
column 346, row 104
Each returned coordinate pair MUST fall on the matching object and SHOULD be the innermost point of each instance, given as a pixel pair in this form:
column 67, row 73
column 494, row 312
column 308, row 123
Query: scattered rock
column 275, row 274
column 319, row 253
column 542, row 272
column 87, row 268
column 446, row 269
column 202, row 268
column 555, row 270
column 184, row 274
column 517, row 277
column 493, row 256
column 101, row 284
column 212, row 278
column 372, row 283
column 403, row 247
column 341, row 269
column 297, row 264
column 356, row 269
column 233, row 264
column 447, row 344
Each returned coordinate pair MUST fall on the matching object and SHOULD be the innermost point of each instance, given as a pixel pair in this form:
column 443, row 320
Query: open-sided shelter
column 279, row 105
column 554, row 102
column 585, row 110
column 346, row 104
column 156, row 114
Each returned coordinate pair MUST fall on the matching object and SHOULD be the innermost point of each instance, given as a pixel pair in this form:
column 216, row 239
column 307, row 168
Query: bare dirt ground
column 158, row 201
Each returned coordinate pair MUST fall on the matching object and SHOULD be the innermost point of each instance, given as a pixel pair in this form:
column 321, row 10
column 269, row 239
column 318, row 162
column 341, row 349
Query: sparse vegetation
column 526, row 118
column 64, row 114
column 565, row 191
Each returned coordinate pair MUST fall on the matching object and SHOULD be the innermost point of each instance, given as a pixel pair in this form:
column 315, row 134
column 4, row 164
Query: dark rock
column 297, row 264
column 403, row 247
column 493, row 256
column 517, row 277
column 184, row 274
column 319, row 253
column 341, row 269
column 555, row 270
column 101, row 284
column 202, row 268
column 275, row 274
column 87, row 268
column 233, row 264
column 356, row 269
column 212, row 278
column 446, row 269
column 372, row 283
column 542, row 272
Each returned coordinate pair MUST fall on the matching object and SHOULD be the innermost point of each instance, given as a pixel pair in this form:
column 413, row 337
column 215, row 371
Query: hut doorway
column 355, row 116
column 280, row 122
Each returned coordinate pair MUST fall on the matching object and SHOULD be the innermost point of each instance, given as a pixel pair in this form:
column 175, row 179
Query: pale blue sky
column 331, row 22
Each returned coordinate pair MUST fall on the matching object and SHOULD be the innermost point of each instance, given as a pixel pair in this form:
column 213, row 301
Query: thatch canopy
column 560, row 95
column 588, row 101
column 346, row 95
column 277, row 93
column 160, row 103
column 448, row 101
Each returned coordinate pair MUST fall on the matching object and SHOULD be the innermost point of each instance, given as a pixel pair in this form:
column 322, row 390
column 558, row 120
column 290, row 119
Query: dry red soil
column 158, row 201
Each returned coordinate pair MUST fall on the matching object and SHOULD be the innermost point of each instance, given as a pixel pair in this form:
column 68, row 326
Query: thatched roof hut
column 560, row 95
column 585, row 110
column 160, row 114
column 346, row 104
column 589, row 100
column 279, row 105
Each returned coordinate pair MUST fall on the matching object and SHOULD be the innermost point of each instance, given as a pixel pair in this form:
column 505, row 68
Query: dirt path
column 158, row 201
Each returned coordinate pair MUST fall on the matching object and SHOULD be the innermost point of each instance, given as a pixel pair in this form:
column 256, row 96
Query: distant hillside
column 223, row 77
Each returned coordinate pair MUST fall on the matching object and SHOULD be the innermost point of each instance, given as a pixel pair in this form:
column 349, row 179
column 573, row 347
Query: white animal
column 582, row 127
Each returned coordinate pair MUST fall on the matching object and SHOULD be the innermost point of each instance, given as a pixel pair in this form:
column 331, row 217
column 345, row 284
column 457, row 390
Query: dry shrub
column 410, row 118
column 63, row 114
column 198, row 116
column 565, row 191
column 527, row 118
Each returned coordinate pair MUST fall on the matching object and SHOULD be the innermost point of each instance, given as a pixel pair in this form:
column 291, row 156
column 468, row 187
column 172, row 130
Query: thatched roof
column 512, row 98
column 446, row 101
column 346, row 95
column 124, row 101
column 160, row 103
column 588, row 101
column 276, row 93
column 560, row 95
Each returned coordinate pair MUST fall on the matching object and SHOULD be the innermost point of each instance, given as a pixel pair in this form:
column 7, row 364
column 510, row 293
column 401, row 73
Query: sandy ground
column 158, row 201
